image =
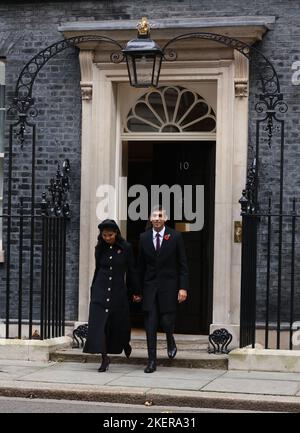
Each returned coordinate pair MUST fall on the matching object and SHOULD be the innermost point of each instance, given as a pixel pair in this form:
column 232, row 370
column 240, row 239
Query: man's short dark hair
column 158, row 208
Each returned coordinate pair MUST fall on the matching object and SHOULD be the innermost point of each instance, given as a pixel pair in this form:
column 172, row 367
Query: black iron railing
column 270, row 294
column 35, row 279
column 53, row 277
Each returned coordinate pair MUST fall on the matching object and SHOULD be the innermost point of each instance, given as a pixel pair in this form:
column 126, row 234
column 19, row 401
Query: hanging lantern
column 143, row 58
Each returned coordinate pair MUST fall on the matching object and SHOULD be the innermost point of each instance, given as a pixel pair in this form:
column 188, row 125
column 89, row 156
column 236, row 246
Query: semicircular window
column 171, row 109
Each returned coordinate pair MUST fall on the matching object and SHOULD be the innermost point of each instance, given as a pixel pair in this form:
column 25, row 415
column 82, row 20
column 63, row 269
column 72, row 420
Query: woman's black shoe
column 104, row 364
column 127, row 350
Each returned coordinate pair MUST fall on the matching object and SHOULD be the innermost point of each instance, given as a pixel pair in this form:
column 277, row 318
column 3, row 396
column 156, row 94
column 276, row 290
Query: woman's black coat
column 109, row 319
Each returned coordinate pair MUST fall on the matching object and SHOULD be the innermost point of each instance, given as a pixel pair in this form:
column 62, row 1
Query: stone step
column 140, row 335
column 162, row 345
column 188, row 359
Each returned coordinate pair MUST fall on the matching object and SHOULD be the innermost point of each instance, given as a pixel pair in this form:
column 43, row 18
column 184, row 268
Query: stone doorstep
column 264, row 360
column 184, row 342
column 186, row 359
column 192, row 352
column 31, row 350
column 139, row 334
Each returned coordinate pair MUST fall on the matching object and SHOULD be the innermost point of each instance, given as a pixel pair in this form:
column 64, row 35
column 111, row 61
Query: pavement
column 170, row 385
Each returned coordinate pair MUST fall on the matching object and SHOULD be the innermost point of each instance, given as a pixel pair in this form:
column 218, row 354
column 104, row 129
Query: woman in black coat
column 109, row 320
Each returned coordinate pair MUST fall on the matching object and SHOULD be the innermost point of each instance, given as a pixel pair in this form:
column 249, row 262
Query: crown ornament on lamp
column 144, row 27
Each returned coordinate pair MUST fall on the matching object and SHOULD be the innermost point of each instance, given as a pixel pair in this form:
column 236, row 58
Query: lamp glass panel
column 144, row 70
column 131, row 70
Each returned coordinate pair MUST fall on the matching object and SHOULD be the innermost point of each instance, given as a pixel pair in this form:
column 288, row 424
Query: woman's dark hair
column 101, row 244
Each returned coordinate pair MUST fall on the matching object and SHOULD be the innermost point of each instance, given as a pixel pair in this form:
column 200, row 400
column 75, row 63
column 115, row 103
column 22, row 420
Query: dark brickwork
column 26, row 28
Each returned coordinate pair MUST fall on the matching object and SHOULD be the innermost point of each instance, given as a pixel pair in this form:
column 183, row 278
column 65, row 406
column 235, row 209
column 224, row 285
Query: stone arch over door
column 170, row 109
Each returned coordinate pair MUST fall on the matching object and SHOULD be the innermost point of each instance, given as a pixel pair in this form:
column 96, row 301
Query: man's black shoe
column 172, row 349
column 151, row 367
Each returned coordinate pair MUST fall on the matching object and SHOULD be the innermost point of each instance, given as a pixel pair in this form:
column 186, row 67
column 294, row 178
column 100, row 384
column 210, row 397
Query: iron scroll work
column 81, row 333
column 270, row 104
column 56, row 202
column 220, row 340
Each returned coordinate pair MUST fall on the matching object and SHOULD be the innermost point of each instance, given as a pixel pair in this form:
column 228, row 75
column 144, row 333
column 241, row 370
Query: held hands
column 136, row 298
column 182, row 295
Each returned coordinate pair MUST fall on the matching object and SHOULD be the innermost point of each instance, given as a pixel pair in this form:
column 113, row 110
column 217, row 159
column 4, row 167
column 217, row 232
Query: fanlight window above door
column 171, row 109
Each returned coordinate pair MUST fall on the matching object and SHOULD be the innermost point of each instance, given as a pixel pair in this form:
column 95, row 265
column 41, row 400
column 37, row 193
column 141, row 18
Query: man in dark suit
column 164, row 280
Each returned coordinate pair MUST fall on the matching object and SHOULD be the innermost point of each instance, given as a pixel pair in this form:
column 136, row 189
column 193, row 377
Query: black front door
column 181, row 163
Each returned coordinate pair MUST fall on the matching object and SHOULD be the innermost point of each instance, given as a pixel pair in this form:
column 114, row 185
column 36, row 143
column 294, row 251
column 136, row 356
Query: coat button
column 110, row 278
column 110, row 247
column 110, row 257
column 110, row 268
column 109, row 289
column 106, row 311
column 107, row 299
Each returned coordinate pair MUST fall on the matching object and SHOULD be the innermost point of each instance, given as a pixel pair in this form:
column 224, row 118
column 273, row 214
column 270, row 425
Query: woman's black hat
column 108, row 224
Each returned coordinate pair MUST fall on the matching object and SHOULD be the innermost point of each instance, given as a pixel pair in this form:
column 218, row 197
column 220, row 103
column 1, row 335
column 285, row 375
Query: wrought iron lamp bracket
column 23, row 100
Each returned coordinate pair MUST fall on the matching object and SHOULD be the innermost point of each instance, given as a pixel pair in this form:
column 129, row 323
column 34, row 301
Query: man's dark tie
column 157, row 241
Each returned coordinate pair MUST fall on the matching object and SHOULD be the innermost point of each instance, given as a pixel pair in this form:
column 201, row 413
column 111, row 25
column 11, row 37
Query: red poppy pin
column 167, row 237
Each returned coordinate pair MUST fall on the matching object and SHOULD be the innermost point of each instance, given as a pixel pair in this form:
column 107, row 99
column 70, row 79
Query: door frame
column 102, row 159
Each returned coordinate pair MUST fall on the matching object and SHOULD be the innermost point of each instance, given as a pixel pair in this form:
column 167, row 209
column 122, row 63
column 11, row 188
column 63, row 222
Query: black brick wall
column 27, row 27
